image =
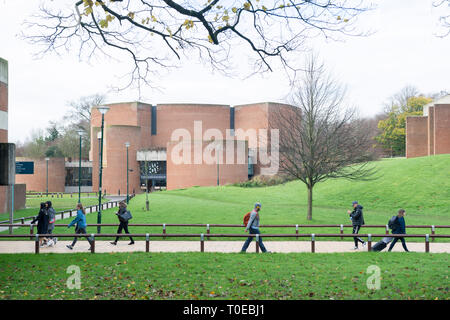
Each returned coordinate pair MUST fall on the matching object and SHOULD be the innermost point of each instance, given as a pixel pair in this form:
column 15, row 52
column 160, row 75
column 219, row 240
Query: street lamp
column 102, row 110
column 46, row 159
column 80, row 133
column 127, row 144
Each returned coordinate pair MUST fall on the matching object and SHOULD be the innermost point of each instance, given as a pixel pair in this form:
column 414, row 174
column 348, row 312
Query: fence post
column 296, row 230
column 342, row 231
column 427, row 243
column 387, row 229
column 36, row 244
column 92, row 243
column 207, row 230
column 313, row 243
column 369, row 242
column 257, row 243
column 31, row 231
column 164, row 229
column 432, row 232
column 147, row 242
column 202, row 243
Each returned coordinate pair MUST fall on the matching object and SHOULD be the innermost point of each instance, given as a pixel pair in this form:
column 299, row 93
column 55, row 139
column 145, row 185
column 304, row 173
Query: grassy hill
column 421, row 186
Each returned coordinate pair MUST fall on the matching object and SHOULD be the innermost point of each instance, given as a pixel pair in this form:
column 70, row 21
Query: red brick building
column 179, row 145
column 429, row 134
column 9, row 190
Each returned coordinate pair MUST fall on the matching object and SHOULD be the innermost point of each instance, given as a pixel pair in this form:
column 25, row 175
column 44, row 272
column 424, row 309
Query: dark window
column 72, row 177
column 232, row 120
column 153, row 120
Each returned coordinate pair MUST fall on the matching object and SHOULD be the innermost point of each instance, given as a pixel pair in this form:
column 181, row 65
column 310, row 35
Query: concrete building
column 11, row 194
column 179, row 145
column 429, row 134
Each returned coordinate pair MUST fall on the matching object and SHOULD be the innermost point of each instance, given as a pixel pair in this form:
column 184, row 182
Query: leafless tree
column 319, row 138
column 79, row 114
column 400, row 99
column 153, row 33
column 445, row 17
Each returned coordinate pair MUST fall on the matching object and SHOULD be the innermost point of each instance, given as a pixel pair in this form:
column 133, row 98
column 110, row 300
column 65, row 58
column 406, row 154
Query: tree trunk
column 310, row 200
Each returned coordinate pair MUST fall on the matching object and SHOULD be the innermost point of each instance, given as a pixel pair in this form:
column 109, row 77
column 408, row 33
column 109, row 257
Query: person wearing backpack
column 80, row 228
column 51, row 223
column 124, row 216
column 42, row 220
column 398, row 226
column 357, row 221
column 253, row 227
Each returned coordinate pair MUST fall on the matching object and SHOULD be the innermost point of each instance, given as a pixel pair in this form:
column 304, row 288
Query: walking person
column 357, row 221
column 42, row 226
column 253, row 228
column 399, row 227
column 51, row 223
column 124, row 216
column 80, row 228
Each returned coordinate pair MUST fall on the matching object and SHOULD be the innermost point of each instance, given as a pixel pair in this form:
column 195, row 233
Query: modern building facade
column 429, row 134
column 180, row 145
column 12, row 195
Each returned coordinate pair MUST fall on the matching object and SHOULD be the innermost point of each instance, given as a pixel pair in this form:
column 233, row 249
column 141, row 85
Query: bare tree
column 444, row 19
column 319, row 139
column 79, row 114
column 153, row 33
column 400, row 99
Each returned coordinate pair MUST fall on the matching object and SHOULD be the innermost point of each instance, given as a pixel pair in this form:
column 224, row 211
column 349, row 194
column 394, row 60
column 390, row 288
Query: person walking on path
column 80, row 228
column 42, row 220
column 51, row 222
column 253, row 228
column 124, row 216
column 399, row 227
column 357, row 221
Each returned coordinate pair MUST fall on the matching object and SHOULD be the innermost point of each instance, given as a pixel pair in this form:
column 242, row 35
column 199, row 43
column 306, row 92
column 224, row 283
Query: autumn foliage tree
column 392, row 135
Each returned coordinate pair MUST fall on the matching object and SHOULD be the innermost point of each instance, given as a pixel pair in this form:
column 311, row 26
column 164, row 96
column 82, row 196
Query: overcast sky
column 403, row 50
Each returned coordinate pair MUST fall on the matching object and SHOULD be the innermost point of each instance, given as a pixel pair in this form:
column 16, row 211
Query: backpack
column 51, row 215
column 247, row 217
column 392, row 222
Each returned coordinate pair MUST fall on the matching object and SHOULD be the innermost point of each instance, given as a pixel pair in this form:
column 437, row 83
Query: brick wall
column 441, row 129
column 416, row 137
column 38, row 181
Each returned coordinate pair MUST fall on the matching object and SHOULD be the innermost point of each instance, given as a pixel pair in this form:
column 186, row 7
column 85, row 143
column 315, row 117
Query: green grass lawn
column 225, row 276
column 421, row 186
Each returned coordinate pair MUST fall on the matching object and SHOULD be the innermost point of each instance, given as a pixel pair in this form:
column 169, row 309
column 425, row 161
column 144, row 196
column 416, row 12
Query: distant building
column 429, row 134
column 160, row 134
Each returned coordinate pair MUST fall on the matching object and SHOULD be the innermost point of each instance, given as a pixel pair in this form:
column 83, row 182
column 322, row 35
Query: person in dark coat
column 357, row 221
column 42, row 220
column 399, row 228
column 123, row 223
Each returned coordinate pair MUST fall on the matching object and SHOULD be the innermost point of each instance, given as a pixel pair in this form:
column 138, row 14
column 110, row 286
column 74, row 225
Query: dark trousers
column 81, row 231
column 123, row 226
column 357, row 239
column 395, row 241
column 249, row 240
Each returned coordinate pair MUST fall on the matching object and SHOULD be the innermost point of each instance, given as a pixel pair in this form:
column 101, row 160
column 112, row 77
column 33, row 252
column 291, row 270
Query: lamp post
column 80, row 133
column 103, row 111
column 46, row 159
column 146, row 183
column 127, row 145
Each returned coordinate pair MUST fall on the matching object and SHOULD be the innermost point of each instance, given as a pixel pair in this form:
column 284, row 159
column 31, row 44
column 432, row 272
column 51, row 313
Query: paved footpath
column 210, row 246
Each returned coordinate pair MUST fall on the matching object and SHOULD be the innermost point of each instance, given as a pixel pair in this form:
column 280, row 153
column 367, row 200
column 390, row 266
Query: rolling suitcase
column 380, row 245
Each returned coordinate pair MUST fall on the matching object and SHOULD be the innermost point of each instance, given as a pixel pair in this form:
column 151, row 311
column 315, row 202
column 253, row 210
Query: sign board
column 24, row 167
